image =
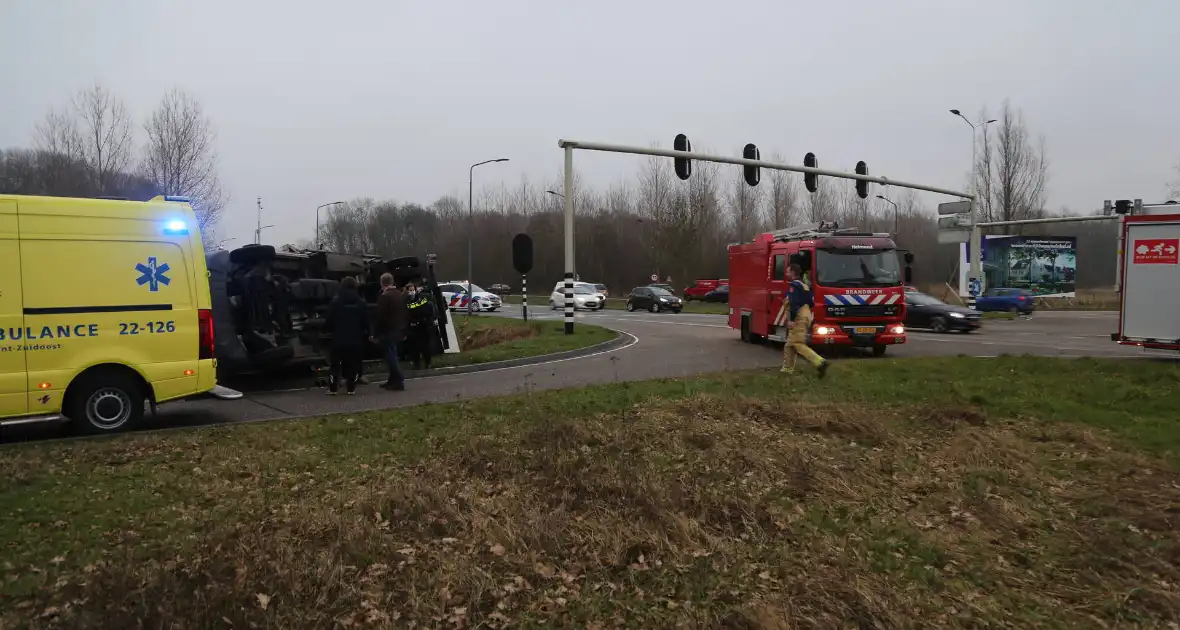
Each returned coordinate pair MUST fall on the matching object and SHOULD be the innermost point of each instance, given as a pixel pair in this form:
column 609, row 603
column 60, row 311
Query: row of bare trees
column 91, row 147
column 657, row 224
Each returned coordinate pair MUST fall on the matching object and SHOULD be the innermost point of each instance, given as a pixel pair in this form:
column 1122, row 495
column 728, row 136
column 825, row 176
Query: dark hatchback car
column 720, row 295
column 654, row 299
column 924, row 311
column 1020, row 301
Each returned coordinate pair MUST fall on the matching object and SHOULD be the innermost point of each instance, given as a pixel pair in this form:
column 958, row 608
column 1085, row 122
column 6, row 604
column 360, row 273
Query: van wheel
column 105, row 401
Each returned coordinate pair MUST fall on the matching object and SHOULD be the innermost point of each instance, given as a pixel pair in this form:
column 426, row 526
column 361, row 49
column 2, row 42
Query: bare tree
column 179, row 157
column 59, row 144
column 822, row 204
column 105, row 135
column 1174, row 185
column 656, row 195
column 1020, row 172
column 745, row 207
column 784, row 197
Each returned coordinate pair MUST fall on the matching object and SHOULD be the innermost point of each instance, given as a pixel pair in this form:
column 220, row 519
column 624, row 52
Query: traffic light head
column 862, row 187
column 683, row 165
column 751, row 172
column 810, row 180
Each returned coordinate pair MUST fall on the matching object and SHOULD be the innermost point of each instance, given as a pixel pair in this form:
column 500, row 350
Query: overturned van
column 269, row 304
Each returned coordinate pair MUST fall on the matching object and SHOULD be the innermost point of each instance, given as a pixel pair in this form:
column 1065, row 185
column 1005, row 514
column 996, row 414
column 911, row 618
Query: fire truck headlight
column 824, row 330
column 897, row 330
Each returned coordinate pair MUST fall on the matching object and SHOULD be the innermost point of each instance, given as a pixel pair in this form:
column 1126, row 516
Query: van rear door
column 13, row 385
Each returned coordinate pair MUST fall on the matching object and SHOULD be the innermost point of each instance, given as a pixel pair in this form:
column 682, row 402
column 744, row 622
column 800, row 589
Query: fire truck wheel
column 879, row 350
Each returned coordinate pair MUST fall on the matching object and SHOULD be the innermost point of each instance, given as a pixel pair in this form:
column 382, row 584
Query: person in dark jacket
column 348, row 319
column 392, row 320
column 419, row 340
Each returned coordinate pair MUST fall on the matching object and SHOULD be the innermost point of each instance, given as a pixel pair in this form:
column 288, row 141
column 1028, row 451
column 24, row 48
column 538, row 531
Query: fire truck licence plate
column 865, row 330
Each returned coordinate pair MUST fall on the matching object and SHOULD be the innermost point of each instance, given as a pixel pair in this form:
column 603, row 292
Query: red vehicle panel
column 856, row 279
column 700, row 287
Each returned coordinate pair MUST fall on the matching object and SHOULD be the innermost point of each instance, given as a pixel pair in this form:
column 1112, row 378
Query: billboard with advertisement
column 1045, row 265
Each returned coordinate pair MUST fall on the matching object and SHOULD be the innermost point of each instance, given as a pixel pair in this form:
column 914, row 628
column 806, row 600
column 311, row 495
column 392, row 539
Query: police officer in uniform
column 420, row 337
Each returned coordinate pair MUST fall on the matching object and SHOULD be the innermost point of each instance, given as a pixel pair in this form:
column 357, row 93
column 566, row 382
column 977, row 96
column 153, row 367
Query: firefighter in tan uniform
column 801, row 301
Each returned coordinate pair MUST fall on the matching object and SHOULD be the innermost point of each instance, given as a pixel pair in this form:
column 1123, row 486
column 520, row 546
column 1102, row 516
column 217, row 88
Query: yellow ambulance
column 104, row 307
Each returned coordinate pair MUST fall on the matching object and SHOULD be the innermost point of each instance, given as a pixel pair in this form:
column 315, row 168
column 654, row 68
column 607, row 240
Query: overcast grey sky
column 320, row 101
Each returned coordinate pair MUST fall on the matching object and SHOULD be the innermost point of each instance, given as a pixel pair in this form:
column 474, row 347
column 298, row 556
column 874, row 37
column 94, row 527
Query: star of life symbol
column 152, row 274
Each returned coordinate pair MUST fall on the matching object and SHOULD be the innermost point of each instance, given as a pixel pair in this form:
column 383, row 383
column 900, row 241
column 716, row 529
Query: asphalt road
column 661, row 346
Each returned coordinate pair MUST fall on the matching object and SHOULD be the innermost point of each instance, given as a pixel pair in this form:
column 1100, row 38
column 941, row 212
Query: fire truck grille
column 862, row 310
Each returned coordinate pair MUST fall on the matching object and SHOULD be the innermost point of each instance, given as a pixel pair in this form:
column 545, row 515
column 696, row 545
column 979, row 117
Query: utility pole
column 258, row 230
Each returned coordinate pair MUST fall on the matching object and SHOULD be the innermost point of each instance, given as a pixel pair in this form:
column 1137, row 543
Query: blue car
column 1004, row 299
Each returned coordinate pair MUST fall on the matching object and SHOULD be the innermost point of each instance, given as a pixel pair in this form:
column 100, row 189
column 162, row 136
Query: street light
column 973, row 134
column 976, row 244
column 471, row 222
column 318, row 241
column 883, row 198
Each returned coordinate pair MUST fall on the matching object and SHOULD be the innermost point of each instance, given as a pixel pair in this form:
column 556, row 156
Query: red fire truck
column 858, row 286
column 1149, row 278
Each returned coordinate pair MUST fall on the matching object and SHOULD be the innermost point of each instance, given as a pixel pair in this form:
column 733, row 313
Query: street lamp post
column 319, row 243
column 886, row 200
column 982, row 125
column 976, row 237
column 471, row 223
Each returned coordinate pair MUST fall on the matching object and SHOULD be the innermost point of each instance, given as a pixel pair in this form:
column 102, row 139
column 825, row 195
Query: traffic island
column 962, row 492
column 487, row 342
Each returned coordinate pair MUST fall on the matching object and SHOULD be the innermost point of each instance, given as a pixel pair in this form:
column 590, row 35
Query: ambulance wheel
column 105, row 400
column 879, row 350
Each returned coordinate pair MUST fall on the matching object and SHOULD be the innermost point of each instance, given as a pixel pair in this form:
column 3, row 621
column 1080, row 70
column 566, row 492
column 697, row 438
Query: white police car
column 455, row 295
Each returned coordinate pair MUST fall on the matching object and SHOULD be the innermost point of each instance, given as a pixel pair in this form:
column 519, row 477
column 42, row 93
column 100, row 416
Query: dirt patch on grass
column 703, row 512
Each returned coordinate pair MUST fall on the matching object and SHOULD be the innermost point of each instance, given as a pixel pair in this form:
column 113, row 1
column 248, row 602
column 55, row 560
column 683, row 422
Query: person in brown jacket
column 390, row 328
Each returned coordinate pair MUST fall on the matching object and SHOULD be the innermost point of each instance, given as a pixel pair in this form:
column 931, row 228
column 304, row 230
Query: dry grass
column 689, row 509
column 1086, row 300
column 485, row 338
column 481, row 332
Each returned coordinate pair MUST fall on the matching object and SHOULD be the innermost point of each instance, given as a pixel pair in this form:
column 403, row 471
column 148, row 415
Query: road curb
column 619, row 341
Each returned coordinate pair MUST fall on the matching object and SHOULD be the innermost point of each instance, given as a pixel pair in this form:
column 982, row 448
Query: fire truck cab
column 857, row 283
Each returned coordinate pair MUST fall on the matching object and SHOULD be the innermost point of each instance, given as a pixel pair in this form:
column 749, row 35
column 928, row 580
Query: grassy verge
column 1085, row 300
column 950, row 492
column 484, row 339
